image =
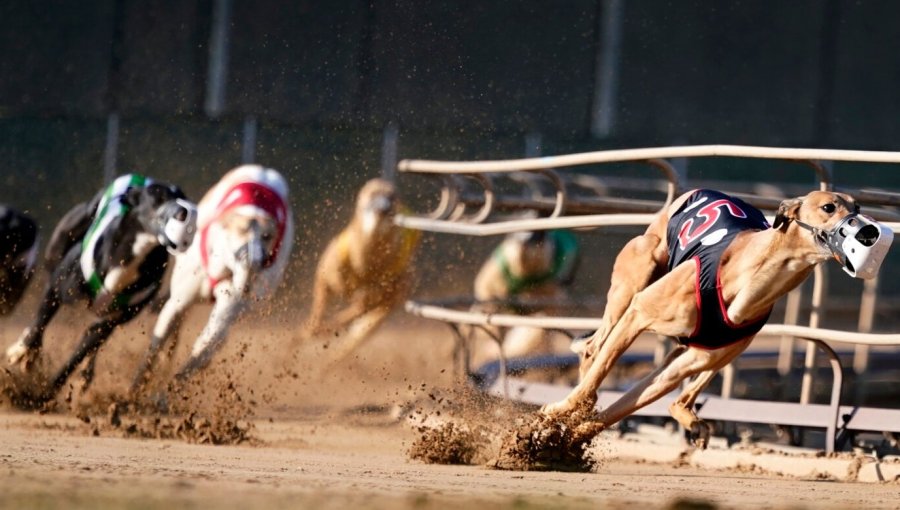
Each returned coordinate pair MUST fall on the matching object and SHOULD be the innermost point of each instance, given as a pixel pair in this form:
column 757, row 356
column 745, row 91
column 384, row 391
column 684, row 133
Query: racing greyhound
column 538, row 264
column 708, row 271
column 18, row 253
column 366, row 268
column 246, row 231
column 112, row 253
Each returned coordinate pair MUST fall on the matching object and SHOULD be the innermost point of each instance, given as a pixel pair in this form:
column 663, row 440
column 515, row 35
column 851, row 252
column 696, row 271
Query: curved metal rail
column 453, row 201
column 612, row 156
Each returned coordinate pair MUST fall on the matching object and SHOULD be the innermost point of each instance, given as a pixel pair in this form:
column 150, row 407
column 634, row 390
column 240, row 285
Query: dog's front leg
column 227, row 309
column 583, row 397
column 359, row 331
column 167, row 325
column 322, row 296
column 90, row 343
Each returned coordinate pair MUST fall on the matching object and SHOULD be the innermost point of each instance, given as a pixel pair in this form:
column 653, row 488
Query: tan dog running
column 527, row 265
column 366, row 268
column 736, row 269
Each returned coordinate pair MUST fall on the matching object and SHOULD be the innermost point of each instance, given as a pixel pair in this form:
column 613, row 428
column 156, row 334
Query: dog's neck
column 782, row 261
column 378, row 241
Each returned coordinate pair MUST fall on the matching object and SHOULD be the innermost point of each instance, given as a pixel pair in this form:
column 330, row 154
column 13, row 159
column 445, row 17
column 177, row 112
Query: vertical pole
column 533, row 144
column 217, row 69
column 866, row 321
column 389, row 142
column 248, row 142
column 110, row 152
column 820, row 283
column 606, row 71
column 791, row 316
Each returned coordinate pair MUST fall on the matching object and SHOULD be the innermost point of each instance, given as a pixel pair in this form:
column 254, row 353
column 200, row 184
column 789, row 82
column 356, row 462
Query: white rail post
column 866, row 322
column 791, row 316
column 820, row 284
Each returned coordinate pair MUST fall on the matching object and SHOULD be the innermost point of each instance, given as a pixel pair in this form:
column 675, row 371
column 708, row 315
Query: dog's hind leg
column 27, row 349
column 641, row 261
column 359, row 331
column 682, row 408
column 90, row 343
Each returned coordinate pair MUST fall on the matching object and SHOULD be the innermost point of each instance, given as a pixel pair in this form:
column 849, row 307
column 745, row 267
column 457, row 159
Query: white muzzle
column 860, row 245
column 179, row 227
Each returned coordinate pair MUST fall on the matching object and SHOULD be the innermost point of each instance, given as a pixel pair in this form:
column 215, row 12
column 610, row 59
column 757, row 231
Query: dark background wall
column 460, row 80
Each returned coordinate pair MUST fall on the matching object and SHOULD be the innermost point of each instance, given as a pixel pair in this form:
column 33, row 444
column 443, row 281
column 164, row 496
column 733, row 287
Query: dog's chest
column 127, row 271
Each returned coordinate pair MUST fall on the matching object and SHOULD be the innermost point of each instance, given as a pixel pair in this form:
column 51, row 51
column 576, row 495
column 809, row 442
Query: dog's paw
column 557, row 409
column 700, row 433
column 20, row 354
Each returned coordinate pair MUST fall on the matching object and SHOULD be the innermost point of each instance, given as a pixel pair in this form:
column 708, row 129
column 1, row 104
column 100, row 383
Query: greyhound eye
column 829, row 208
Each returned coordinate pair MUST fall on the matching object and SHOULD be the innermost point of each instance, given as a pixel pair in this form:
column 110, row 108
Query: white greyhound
column 245, row 234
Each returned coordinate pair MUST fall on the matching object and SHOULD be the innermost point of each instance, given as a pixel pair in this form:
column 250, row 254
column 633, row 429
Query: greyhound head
column 531, row 253
column 376, row 205
column 858, row 243
column 163, row 210
column 250, row 238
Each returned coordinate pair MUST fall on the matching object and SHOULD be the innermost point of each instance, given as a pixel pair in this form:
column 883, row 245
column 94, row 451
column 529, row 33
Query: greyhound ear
column 132, row 196
column 787, row 211
column 162, row 193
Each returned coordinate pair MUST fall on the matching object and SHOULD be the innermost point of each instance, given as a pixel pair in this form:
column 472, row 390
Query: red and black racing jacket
column 700, row 231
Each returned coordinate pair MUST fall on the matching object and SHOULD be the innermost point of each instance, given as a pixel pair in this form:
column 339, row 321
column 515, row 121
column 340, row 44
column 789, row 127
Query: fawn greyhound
column 366, row 268
column 708, row 271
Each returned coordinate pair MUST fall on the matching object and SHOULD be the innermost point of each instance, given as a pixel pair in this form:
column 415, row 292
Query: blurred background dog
column 365, row 270
column 529, row 272
column 18, row 253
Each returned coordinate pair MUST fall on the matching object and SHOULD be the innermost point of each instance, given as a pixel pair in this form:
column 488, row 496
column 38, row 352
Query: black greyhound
column 18, row 251
column 112, row 253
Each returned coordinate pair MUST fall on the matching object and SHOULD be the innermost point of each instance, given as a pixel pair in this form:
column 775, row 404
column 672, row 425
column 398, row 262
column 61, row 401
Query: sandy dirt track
column 326, row 439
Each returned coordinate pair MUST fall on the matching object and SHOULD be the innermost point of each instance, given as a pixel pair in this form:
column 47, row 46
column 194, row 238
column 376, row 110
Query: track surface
column 327, row 440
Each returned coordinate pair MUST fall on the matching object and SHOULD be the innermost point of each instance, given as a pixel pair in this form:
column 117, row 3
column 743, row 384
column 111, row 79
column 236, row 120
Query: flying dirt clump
column 449, row 443
column 191, row 429
column 545, row 444
column 213, row 413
